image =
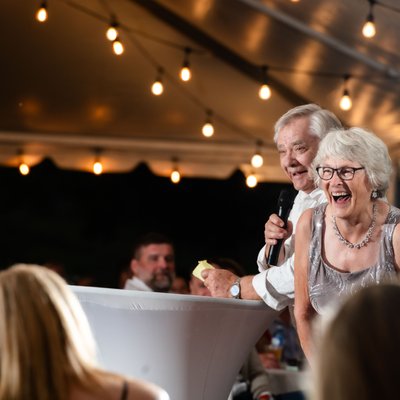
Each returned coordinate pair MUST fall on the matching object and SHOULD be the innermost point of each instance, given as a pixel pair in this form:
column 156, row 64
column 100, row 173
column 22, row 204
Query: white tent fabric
column 192, row 346
column 77, row 95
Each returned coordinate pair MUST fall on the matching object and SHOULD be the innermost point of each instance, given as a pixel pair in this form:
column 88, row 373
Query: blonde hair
column 45, row 339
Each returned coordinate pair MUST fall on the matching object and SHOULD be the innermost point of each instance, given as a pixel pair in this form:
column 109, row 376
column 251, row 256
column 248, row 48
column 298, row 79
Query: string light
column 118, row 47
column 97, row 168
column 23, row 166
column 257, row 160
column 41, row 13
column 208, row 128
column 97, row 165
column 265, row 92
column 175, row 174
column 112, row 31
column 157, row 87
column 369, row 29
column 251, row 180
column 345, row 102
column 185, row 73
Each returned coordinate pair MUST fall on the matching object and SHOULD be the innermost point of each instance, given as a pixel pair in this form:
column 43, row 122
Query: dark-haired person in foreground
column 358, row 353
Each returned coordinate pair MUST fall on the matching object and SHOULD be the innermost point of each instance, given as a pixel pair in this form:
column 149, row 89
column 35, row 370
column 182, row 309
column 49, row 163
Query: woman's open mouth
column 341, row 197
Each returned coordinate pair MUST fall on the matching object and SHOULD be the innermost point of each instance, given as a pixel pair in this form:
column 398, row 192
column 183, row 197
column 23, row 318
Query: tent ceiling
column 64, row 93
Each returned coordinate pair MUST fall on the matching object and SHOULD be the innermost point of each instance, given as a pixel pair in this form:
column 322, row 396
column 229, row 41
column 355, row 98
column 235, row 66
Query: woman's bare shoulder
column 140, row 389
column 112, row 386
column 305, row 219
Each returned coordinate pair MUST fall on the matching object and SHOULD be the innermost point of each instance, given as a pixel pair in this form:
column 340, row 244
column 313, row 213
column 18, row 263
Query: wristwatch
column 235, row 289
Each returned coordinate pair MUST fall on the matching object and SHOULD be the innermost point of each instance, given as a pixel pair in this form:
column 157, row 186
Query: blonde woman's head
column 45, row 339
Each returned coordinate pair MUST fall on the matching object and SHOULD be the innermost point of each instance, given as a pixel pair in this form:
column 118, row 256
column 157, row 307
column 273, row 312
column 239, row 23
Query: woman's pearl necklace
column 367, row 236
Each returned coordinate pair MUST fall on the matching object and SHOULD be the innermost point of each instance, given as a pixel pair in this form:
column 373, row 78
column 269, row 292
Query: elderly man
column 153, row 264
column 297, row 136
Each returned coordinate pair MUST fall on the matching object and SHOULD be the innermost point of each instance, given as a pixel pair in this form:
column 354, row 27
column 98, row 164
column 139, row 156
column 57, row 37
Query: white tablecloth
column 192, row 346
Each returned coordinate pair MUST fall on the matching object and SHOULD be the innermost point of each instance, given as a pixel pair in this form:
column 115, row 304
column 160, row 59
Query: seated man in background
column 152, row 264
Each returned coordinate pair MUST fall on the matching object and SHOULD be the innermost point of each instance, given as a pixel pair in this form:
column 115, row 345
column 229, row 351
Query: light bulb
column 157, row 88
column 251, row 181
column 208, row 129
column 112, row 32
column 24, row 169
column 175, row 176
column 264, row 92
column 185, row 74
column 345, row 102
column 97, row 168
column 118, row 47
column 368, row 29
column 257, row 160
column 41, row 14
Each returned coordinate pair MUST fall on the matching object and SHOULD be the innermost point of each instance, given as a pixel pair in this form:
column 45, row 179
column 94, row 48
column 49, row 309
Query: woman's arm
column 303, row 309
column 396, row 246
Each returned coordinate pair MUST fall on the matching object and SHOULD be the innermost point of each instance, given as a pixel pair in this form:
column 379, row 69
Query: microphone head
column 286, row 198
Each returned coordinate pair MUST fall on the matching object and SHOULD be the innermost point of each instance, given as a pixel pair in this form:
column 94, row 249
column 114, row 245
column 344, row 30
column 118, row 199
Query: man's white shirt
column 137, row 284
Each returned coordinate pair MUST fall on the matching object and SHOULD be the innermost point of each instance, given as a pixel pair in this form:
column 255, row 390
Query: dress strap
column 124, row 394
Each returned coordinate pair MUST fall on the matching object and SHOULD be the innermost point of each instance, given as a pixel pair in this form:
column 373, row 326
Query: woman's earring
column 374, row 195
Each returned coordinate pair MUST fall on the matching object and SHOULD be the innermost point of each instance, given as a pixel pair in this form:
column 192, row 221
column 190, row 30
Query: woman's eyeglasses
column 345, row 173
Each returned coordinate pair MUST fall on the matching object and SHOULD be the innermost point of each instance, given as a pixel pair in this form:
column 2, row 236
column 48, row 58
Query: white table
column 193, row 346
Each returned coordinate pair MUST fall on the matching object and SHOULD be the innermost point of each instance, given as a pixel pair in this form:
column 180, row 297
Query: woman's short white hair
column 321, row 121
column 361, row 146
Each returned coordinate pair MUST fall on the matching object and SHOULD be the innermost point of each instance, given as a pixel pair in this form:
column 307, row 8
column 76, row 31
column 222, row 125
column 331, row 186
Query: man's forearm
column 247, row 291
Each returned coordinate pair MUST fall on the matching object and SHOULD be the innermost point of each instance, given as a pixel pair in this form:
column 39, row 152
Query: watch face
column 235, row 290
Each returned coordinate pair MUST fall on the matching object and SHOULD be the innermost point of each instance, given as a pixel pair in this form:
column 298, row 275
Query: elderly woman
column 47, row 350
column 352, row 241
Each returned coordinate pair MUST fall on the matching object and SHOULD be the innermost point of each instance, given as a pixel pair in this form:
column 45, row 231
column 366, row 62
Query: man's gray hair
column 360, row 146
column 321, row 121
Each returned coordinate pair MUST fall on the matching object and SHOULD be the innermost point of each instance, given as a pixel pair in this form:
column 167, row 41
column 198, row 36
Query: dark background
column 88, row 223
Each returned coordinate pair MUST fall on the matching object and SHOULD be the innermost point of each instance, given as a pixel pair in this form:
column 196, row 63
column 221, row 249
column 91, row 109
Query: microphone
column 285, row 203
